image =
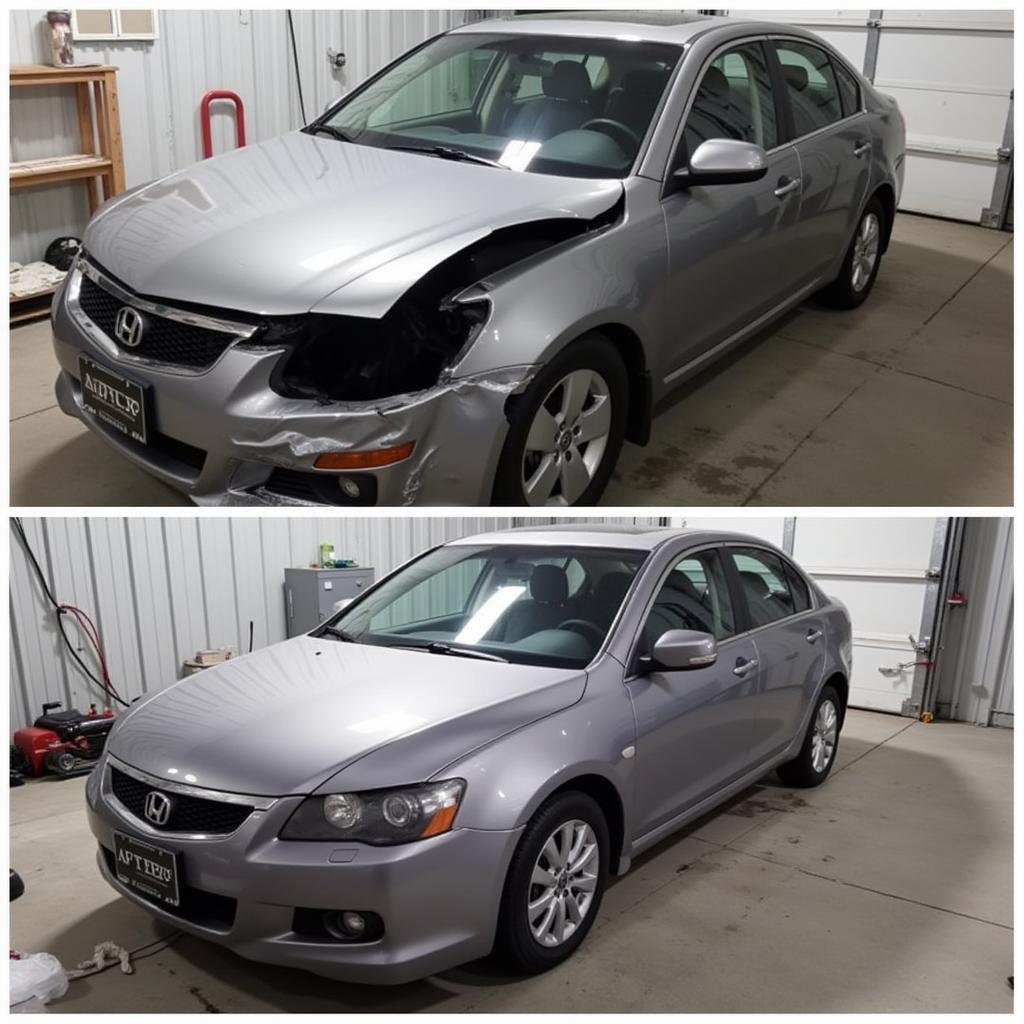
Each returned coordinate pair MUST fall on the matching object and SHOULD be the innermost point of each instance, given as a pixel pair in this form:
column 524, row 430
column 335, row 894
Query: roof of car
column 604, row 535
column 653, row 26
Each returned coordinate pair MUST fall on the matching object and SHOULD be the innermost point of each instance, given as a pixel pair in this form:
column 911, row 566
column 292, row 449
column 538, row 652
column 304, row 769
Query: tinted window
column 695, row 596
column 810, row 85
column 734, row 101
column 849, row 90
column 799, row 589
column 765, row 585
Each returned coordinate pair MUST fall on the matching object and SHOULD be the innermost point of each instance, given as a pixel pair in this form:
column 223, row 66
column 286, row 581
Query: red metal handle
column 204, row 116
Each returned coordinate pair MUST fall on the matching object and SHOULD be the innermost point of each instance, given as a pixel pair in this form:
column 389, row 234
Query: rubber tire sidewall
column 800, row 772
column 591, row 352
column 840, row 293
column 514, row 942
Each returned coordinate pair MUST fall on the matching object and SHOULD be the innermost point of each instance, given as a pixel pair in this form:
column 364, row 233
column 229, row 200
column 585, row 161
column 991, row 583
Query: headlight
column 382, row 817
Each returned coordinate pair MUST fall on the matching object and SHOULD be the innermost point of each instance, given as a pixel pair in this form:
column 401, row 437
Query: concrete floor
column 887, row 889
column 906, row 401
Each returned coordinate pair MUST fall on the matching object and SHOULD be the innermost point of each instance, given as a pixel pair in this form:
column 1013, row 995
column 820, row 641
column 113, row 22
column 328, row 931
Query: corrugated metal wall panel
column 160, row 84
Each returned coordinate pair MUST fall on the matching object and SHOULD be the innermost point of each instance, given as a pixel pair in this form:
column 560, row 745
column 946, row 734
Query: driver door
column 693, row 725
column 732, row 248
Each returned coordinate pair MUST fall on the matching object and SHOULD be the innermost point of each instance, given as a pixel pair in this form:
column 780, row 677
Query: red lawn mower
column 62, row 742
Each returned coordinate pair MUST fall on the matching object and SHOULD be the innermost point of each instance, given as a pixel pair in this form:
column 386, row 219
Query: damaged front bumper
column 224, row 437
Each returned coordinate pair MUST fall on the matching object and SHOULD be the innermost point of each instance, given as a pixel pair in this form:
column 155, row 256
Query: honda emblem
column 157, row 808
column 128, row 327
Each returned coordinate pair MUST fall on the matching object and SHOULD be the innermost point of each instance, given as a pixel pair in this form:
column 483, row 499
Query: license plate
column 147, row 869
column 117, row 401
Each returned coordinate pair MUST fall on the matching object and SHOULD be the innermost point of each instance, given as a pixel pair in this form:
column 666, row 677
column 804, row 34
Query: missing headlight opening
column 353, row 359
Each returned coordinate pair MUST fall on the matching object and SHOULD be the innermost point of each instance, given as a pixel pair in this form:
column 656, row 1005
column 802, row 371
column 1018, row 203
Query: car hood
column 289, row 717
column 303, row 222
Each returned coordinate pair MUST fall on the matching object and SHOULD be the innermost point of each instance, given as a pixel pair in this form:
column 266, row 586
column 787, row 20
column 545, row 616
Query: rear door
column 789, row 637
column 831, row 135
column 732, row 248
column 693, row 726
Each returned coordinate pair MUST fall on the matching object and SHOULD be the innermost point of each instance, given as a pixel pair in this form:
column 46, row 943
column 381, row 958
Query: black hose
column 108, row 691
column 295, row 60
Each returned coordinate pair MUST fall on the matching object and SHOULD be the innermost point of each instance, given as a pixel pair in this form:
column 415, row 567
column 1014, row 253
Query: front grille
column 188, row 813
column 163, row 340
column 206, row 909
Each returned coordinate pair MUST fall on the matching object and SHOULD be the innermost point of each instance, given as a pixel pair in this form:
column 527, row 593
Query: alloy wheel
column 823, row 739
column 865, row 251
column 563, row 883
column 567, row 439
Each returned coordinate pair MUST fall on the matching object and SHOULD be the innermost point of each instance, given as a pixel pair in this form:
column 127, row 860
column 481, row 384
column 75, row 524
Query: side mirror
column 680, row 649
column 722, row 162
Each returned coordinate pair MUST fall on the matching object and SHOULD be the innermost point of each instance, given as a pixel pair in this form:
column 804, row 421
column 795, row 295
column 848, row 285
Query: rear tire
column 517, row 943
column 812, row 765
column 863, row 258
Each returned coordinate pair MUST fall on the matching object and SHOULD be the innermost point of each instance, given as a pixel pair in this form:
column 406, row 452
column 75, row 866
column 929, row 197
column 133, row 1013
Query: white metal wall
column 161, row 589
column 952, row 73
column 160, row 84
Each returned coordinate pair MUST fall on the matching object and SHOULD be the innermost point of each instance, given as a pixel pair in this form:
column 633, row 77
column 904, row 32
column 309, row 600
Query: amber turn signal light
column 364, row 460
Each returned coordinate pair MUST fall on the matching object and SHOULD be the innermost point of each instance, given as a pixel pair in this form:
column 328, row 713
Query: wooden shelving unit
column 99, row 121
column 100, row 164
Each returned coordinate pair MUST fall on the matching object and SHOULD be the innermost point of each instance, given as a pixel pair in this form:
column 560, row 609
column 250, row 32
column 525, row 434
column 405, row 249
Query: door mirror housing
column 679, row 649
column 722, row 162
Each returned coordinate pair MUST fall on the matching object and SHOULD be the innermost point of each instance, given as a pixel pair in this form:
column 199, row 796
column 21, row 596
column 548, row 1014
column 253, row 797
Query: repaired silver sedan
column 460, row 759
column 473, row 277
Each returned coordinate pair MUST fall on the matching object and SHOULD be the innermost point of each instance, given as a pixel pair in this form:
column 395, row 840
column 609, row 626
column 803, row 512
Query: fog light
column 364, row 460
column 353, row 922
column 346, row 925
column 349, row 487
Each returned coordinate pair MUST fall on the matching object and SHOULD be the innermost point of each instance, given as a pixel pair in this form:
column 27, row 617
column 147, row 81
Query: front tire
column 566, row 430
column 812, row 765
column 554, row 885
column 863, row 258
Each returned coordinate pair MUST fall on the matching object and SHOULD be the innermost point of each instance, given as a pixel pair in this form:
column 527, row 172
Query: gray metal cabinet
column 310, row 594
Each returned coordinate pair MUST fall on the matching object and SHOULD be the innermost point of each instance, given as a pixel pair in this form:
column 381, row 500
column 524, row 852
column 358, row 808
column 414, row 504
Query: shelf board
column 33, row 306
column 26, row 173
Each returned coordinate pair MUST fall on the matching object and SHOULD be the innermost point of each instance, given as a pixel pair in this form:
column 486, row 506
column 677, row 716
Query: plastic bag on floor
column 40, row 975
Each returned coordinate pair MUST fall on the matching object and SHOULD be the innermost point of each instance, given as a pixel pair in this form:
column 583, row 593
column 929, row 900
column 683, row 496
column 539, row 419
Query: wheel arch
column 839, row 682
column 606, row 795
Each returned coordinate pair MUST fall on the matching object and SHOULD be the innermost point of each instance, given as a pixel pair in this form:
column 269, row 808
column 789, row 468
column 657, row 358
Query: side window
column 734, row 101
column 849, row 90
column 765, row 584
column 811, row 86
column 798, row 588
column 695, row 596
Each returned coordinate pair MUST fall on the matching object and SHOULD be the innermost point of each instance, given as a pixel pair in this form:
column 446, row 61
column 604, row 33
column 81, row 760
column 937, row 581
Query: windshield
column 536, row 605
column 550, row 105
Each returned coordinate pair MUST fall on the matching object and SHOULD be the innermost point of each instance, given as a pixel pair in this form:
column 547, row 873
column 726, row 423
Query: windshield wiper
column 437, row 647
column 329, row 129
column 449, row 153
column 338, row 634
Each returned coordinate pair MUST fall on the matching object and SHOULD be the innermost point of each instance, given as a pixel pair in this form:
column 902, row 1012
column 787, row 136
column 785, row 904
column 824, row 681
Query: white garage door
column 952, row 74
column 884, row 571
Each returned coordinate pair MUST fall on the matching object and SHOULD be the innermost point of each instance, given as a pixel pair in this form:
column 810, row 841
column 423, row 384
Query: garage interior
column 889, row 888
column 905, row 401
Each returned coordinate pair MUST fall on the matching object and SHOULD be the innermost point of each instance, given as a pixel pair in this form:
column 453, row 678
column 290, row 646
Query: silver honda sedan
column 458, row 761
column 473, row 277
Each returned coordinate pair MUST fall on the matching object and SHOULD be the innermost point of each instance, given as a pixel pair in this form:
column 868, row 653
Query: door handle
column 813, row 635
column 861, row 148
column 743, row 667
column 786, row 185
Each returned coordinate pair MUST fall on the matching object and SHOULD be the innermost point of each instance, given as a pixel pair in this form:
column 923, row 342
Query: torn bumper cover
column 231, row 447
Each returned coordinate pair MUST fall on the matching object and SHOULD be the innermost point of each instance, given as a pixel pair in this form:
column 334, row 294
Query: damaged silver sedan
column 474, row 277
